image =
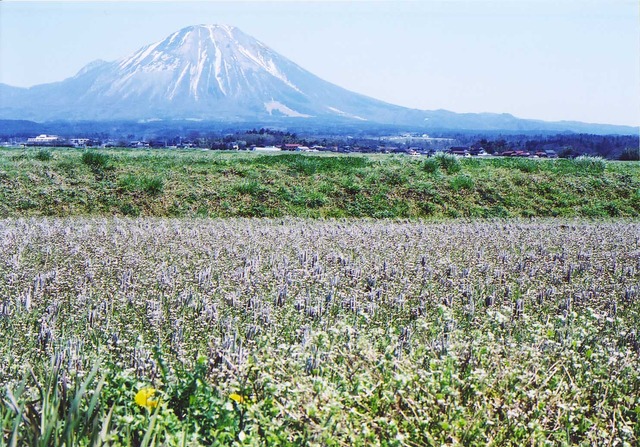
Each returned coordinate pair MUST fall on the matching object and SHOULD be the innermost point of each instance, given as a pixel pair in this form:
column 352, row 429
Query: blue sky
column 543, row 59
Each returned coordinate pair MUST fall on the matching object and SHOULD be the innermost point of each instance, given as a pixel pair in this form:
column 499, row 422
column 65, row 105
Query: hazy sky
column 543, row 59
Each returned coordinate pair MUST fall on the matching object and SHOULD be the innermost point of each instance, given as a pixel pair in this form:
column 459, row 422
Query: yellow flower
column 237, row 398
column 144, row 398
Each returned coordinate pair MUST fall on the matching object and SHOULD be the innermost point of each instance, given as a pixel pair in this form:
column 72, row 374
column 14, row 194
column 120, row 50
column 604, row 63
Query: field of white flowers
column 338, row 332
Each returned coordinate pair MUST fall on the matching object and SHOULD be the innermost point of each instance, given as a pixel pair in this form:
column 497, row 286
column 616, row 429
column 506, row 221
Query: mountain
column 206, row 72
column 218, row 73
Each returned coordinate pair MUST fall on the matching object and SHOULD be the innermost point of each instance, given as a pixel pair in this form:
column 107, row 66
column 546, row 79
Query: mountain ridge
column 219, row 73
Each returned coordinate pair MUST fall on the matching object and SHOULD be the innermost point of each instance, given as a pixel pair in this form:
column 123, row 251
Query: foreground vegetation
column 163, row 183
column 347, row 332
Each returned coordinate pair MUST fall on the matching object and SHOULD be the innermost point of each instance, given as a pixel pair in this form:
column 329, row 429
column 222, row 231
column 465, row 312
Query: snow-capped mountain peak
column 209, row 72
column 206, row 72
column 199, row 62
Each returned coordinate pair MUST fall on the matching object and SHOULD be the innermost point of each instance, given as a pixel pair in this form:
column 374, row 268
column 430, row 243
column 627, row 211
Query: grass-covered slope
column 62, row 182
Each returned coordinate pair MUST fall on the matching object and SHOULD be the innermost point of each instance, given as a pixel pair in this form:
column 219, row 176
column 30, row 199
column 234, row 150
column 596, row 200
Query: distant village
column 392, row 145
column 613, row 147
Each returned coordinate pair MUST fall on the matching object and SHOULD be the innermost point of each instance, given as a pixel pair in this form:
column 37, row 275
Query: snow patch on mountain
column 196, row 72
column 268, row 66
column 139, row 56
column 286, row 111
column 217, row 61
column 349, row 115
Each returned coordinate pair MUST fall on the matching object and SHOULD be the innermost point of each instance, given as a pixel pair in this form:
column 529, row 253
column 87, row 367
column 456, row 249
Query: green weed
column 593, row 165
column 152, row 185
column 95, row 160
column 43, row 155
column 249, row 187
column 448, row 162
column 431, row 165
column 461, row 182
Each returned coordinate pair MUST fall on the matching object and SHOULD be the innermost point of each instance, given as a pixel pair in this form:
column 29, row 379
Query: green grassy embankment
column 64, row 182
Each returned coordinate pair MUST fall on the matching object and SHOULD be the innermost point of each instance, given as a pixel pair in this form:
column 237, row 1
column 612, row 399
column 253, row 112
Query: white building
column 78, row 142
column 44, row 140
